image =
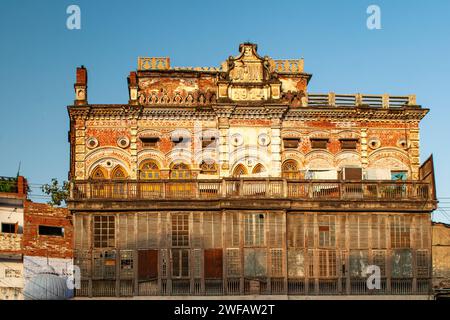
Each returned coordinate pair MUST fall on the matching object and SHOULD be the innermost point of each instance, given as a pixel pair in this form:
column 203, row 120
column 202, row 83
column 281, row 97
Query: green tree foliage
column 57, row 192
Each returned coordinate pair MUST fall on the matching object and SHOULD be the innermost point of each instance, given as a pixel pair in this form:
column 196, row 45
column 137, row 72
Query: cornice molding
column 241, row 111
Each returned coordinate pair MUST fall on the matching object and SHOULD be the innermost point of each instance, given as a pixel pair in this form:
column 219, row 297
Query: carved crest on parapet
column 248, row 66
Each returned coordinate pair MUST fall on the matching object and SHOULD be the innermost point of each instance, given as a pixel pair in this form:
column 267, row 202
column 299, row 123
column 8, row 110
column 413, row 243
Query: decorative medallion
column 123, row 142
column 263, row 140
column 92, row 142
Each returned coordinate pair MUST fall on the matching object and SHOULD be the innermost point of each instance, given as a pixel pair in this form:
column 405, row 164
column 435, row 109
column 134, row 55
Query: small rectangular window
column 399, row 175
column 181, row 142
column 8, row 227
column 317, row 143
column 51, row 231
column 349, row 144
column 209, row 142
column 149, row 142
column 291, row 143
column 352, row 173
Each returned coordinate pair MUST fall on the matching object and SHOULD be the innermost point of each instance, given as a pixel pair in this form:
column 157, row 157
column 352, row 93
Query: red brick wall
column 36, row 214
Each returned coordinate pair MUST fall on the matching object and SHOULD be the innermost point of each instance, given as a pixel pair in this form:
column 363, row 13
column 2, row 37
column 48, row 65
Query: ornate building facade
column 236, row 180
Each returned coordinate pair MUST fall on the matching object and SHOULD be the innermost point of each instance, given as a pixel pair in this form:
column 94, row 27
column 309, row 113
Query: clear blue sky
column 39, row 55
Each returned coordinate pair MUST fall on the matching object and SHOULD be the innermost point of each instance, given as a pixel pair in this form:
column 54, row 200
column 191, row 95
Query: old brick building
column 13, row 194
column 47, row 239
column 236, row 180
column 33, row 236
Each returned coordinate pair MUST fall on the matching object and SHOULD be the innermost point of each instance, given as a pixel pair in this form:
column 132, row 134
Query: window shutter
column 148, row 264
column 352, row 173
column 213, row 263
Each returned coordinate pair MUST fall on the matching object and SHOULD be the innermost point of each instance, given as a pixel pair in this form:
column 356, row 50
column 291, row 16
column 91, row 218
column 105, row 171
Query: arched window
column 149, row 171
column 208, row 167
column 240, row 170
column 258, row 169
column 180, row 171
column 99, row 173
column 118, row 173
column 99, row 189
column 118, row 188
column 290, row 170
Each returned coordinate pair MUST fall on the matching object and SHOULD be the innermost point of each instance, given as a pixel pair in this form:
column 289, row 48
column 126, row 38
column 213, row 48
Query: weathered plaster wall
column 441, row 255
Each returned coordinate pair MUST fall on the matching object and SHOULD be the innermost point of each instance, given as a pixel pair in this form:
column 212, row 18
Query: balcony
column 10, row 242
column 269, row 188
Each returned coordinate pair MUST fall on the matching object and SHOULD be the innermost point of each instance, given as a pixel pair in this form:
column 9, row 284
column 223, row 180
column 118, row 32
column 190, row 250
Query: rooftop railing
column 345, row 100
column 251, row 189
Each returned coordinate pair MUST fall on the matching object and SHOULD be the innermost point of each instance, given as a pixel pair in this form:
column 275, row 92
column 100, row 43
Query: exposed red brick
column 36, row 214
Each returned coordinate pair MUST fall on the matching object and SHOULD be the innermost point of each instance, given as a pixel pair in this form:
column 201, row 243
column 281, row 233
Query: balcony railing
column 251, row 188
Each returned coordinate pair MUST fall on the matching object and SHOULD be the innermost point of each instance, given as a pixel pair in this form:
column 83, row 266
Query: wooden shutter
column 148, row 264
column 213, row 263
column 352, row 173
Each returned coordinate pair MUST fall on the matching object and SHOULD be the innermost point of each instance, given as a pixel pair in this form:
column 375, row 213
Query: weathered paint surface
column 441, row 255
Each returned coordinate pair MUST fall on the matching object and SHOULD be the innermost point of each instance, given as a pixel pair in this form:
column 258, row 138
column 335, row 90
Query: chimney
column 133, row 88
column 81, row 86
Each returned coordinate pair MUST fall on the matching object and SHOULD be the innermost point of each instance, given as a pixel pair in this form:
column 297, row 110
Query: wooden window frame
column 181, row 263
column 254, row 229
column 291, row 143
column 180, row 232
column 319, row 143
column 349, row 144
column 100, row 237
column 150, row 142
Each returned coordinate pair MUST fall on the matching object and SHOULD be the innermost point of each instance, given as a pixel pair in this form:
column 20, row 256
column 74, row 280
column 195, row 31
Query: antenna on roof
column 18, row 170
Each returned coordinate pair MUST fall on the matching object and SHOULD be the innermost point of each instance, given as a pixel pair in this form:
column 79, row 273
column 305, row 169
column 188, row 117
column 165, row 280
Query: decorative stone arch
column 180, row 155
column 99, row 173
column 319, row 159
column 180, row 170
column 149, row 170
column 181, row 132
column 118, row 172
column 239, row 170
column 290, row 169
column 206, row 155
column 289, row 133
column 152, row 154
column 294, row 155
column 319, row 134
column 108, row 158
column 348, row 134
column 259, row 169
column 148, row 133
column 347, row 158
column 390, row 158
column 250, row 155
